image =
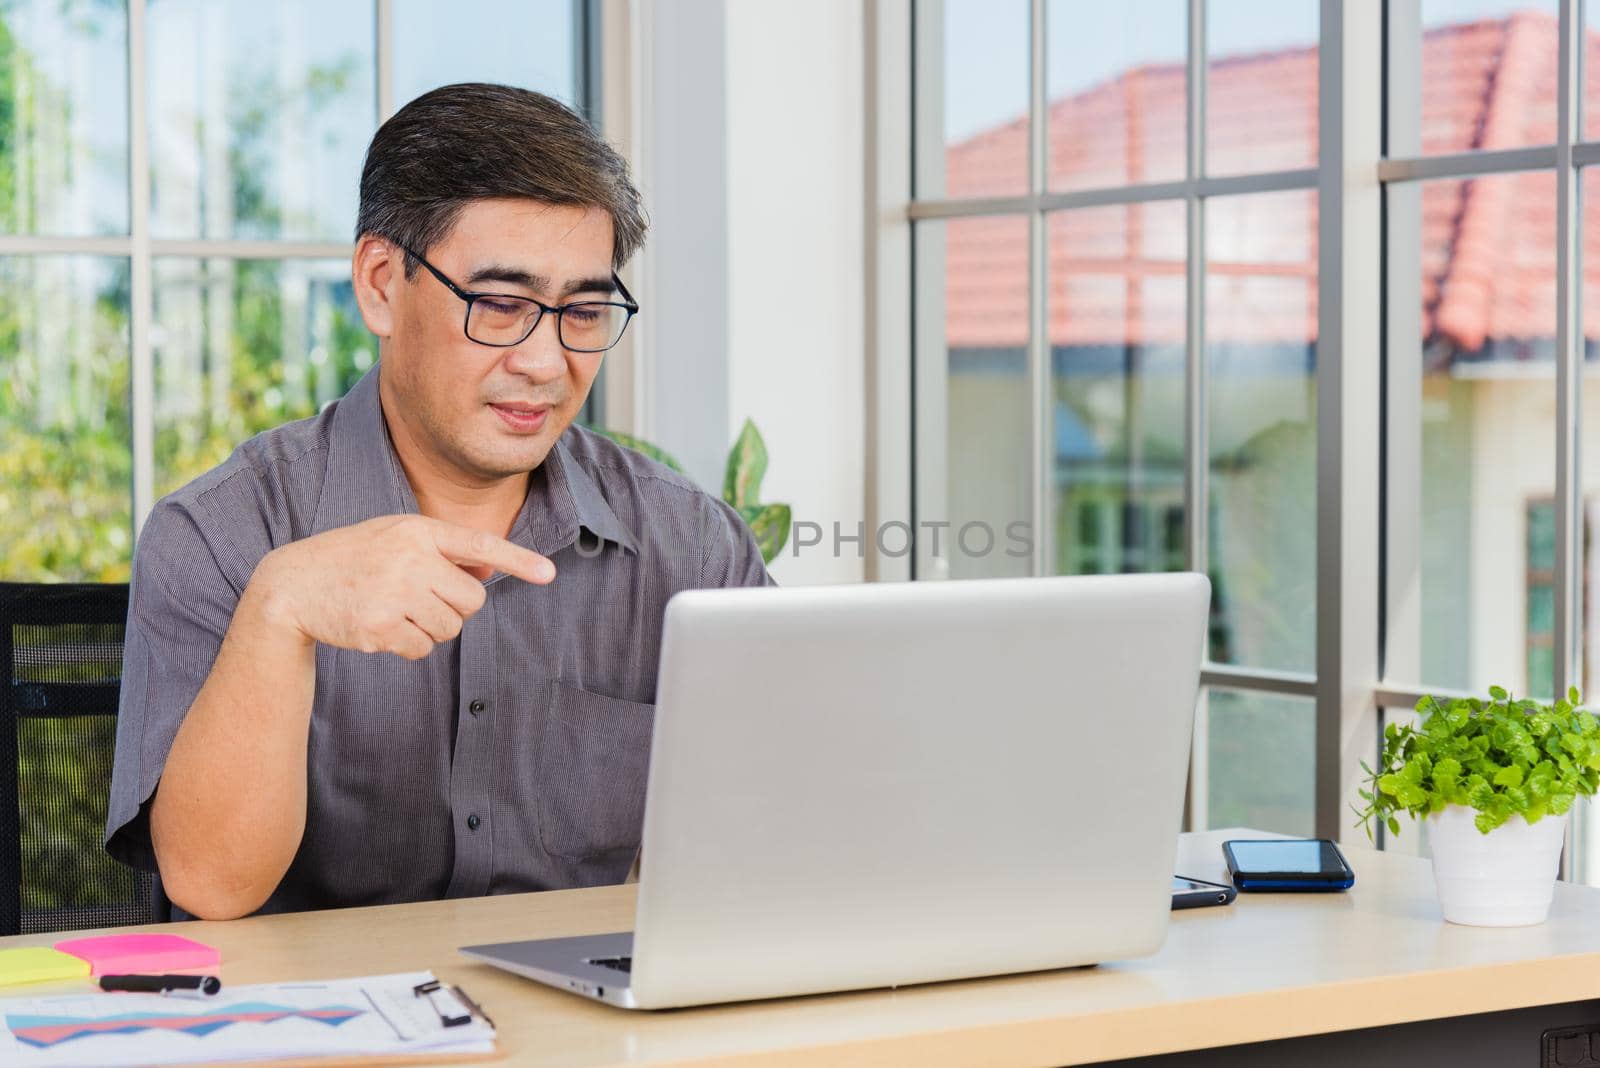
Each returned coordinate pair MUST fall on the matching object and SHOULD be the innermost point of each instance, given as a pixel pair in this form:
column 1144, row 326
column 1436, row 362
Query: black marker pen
column 191, row 985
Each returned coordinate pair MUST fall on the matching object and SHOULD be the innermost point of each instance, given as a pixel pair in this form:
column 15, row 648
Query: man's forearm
column 230, row 811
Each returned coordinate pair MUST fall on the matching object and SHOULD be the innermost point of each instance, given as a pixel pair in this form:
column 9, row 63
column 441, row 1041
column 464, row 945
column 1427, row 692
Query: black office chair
column 61, row 658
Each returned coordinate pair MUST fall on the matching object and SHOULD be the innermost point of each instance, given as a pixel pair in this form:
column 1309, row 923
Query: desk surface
column 1270, row 966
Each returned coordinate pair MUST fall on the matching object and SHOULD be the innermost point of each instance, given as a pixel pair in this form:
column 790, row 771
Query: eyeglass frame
column 472, row 296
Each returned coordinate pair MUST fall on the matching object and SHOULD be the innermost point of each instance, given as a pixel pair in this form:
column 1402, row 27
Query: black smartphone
column 1190, row 893
column 1287, row 864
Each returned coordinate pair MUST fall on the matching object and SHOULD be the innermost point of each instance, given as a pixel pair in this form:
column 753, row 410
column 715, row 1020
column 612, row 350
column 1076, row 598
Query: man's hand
column 394, row 584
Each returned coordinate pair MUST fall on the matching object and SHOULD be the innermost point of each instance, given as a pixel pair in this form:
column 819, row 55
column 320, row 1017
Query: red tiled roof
column 1116, row 274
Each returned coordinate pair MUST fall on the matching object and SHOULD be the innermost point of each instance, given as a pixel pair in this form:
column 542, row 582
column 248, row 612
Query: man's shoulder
column 264, row 494
column 670, row 517
column 697, row 536
column 285, row 451
column 615, row 467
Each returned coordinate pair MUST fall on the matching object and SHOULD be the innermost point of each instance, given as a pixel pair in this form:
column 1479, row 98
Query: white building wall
column 745, row 129
column 1513, row 463
column 795, row 96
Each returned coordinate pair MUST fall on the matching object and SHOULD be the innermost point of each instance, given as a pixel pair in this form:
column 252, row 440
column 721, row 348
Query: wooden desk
column 1270, row 967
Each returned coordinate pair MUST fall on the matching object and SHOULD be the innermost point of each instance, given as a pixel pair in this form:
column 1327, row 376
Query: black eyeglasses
column 503, row 320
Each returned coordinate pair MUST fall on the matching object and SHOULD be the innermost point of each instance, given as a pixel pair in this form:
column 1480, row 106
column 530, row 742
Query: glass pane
column 1588, row 442
column 1261, row 85
column 1590, row 105
column 65, row 454
column 1541, row 610
column 984, row 280
column 1472, row 432
column 1118, row 92
column 1260, row 765
column 260, row 115
column 1488, row 75
column 1117, row 316
column 242, row 346
column 1261, row 348
column 1542, row 535
column 64, row 130
column 1540, row 625
column 532, row 44
column 972, row 99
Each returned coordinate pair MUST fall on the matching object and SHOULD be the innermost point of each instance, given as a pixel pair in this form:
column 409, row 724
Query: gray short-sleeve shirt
column 510, row 759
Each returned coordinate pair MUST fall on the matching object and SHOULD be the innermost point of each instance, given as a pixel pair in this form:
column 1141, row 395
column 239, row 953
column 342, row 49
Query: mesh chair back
column 61, row 655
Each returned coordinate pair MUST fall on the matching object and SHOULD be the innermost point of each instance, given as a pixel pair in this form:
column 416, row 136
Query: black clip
column 433, row 986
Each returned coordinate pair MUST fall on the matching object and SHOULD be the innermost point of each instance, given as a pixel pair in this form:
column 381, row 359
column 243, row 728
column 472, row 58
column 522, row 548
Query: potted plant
column 1495, row 781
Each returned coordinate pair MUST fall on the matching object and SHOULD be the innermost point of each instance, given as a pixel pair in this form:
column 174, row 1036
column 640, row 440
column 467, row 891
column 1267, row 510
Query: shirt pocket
column 593, row 760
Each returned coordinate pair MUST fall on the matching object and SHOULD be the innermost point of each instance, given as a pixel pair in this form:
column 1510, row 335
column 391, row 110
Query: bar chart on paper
column 371, row 1016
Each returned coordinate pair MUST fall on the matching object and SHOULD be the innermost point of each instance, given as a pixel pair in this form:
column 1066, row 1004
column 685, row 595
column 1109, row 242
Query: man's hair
column 474, row 141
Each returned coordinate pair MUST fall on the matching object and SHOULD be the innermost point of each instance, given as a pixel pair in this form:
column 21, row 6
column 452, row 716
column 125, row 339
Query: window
column 1116, row 329
column 1486, row 550
column 1541, row 617
column 1478, row 351
column 175, row 231
column 1541, row 614
column 1165, row 355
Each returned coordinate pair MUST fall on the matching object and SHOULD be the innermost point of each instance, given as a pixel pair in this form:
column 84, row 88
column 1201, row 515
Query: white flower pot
column 1501, row 879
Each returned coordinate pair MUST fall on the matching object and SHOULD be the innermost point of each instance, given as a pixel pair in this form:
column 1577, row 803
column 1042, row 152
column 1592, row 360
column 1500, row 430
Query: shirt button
column 475, row 707
column 473, row 821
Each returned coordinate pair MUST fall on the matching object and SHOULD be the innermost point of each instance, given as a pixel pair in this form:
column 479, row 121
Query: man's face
column 488, row 412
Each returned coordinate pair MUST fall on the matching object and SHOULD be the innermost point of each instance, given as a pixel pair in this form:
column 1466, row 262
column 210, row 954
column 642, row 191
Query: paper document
column 372, row 1016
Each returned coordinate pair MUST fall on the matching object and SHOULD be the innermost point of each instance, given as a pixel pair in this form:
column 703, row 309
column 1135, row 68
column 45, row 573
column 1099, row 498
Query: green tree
column 66, row 431
column 264, row 388
column 65, row 464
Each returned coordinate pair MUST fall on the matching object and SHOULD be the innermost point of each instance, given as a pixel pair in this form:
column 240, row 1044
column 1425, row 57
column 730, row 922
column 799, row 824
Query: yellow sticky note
column 39, row 964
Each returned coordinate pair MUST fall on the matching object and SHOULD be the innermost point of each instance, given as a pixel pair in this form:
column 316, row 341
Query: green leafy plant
column 741, row 485
column 1500, row 757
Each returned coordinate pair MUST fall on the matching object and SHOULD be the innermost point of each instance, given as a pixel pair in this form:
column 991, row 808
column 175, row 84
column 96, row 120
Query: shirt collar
column 589, row 508
column 364, row 479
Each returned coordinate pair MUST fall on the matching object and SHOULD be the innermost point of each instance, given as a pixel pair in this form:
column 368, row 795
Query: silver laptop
column 886, row 784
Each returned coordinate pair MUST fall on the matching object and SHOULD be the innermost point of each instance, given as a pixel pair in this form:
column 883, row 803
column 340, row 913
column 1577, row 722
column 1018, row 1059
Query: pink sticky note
column 132, row 953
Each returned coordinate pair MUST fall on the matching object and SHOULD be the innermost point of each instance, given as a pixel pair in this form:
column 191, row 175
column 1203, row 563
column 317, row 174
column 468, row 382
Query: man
column 407, row 648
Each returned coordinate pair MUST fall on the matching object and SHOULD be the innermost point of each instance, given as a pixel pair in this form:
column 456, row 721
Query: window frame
column 1365, row 285
column 915, row 358
column 142, row 250
column 1404, row 168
